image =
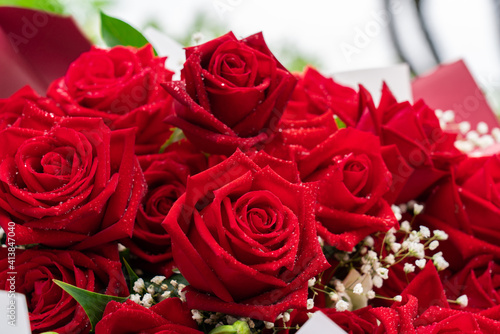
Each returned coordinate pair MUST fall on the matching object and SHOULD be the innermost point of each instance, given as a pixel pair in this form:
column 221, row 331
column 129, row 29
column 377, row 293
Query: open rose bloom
column 243, row 198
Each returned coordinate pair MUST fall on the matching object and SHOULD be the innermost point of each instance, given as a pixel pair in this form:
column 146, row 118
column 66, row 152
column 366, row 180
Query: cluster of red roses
column 270, row 162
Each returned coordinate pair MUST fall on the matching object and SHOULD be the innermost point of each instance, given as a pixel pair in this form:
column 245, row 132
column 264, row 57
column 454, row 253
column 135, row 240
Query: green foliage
column 93, row 303
column 116, row 32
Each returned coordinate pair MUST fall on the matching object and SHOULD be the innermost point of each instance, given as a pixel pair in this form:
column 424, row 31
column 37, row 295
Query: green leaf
column 176, row 135
column 132, row 276
column 116, row 32
column 340, row 123
column 93, row 303
column 239, row 327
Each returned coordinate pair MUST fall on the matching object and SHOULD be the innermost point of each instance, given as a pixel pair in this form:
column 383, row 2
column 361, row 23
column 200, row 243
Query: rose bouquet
column 242, row 198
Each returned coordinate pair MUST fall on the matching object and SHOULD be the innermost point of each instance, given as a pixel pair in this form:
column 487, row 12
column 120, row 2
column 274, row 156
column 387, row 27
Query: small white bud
column 409, row 268
column 197, row 316
column 440, row 235
column 268, row 324
column 139, row 285
column 370, row 294
column 377, row 281
column 417, row 209
column 395, row 247
column 372, row 256
column 311, row 282
column 472, row 136
column 440, row 262
column 358, row 289
column 151, row 290
column 369, row 241
column 405, row 227
column 464, row 127
column 448, row 116
column 286, row 317
column 165, row 295
column 420, row 263
column 310, row 303
column 496, row 134
column 158, row 279
column 136, row 298
column 398, row 298
column 482, row 128
column 363, row 250
column 174, row 283
column 366, row 268
column 341, row 306
column 390, row 259
column 383, row 272
column 424, row 231
column 433, row 245
column 147, row 300
column 463, row 300
column 164, row 286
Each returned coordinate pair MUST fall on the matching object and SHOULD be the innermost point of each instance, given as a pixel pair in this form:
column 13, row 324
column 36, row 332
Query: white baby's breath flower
column 417, row 209
column 333, row 296
column 395, row 247
column 370, row 294
column 440, row 235
column 420, row 263
column 409, row 268
column 368, row 241
column 197, row 316
column 433, row 245
column 439, row 261
column 372, row 256
column 405, row 226
column 136, row 298
column 358, row 289
column 377, row 281
column 158, row 279
column 268, row 324
column 311, row 282
column 310, row 303
column 139, row 285
column 398, row 298
column 424, row 231
column 165, row 295
column 341, row 306
column 463, row 300
column 383, row 272
column 151, row 290
column 147, row 300
column 390, row 259
column 366, row 268
column 397, row 212
column 286, row 317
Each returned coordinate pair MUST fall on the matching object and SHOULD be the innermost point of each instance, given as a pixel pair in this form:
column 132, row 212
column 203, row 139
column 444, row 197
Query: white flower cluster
column 469, row 139
column 148, row 294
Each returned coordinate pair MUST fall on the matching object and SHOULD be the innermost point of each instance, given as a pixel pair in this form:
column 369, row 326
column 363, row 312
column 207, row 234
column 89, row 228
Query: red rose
column 167, row 317
column 315, row 95
column 352, row 180
column 470, row 199
column 416, row 132
column 245, row 239
column 233, row 94
column 26, row 109
column 122, row 86
column 479, row 280
column 166, row 176
column 50, row 308
column 424, row 309
column 78, row 184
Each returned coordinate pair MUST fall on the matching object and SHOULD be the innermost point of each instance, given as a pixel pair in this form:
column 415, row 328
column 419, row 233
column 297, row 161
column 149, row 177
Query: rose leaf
column 93, row 303
column 116, row 32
